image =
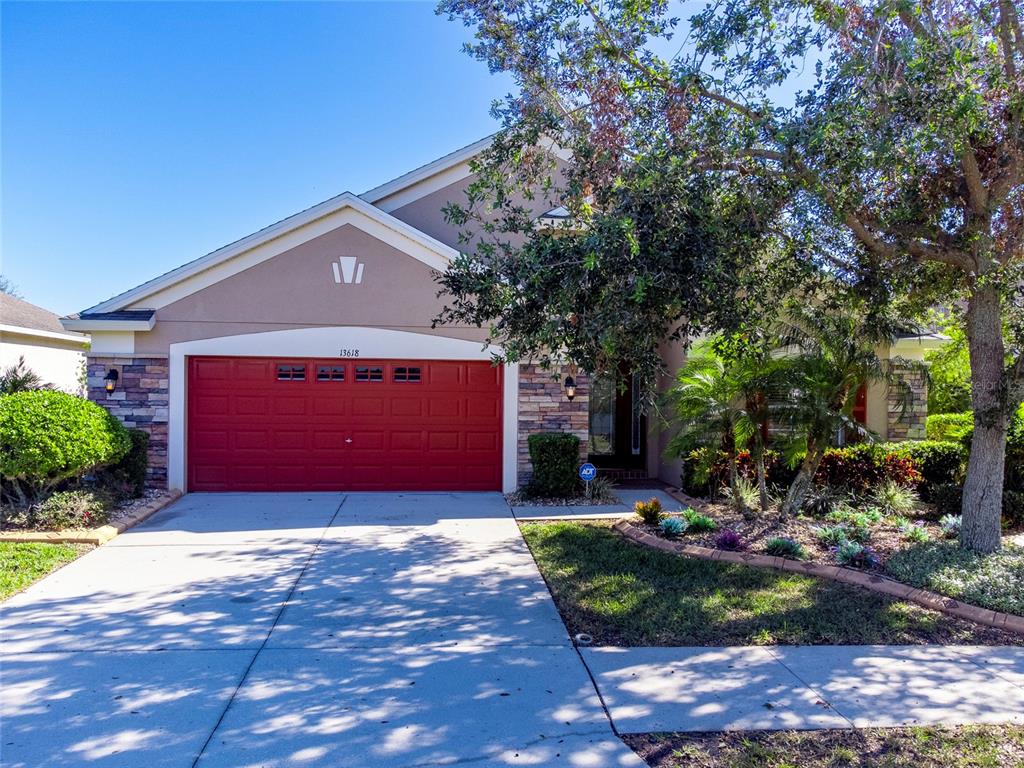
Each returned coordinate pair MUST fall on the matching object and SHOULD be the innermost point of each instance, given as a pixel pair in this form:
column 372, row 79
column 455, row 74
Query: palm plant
column 831, row 354
column 20, row 378
column 719, row 400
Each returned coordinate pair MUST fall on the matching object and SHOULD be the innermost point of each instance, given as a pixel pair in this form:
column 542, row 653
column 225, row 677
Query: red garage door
column 279, row 424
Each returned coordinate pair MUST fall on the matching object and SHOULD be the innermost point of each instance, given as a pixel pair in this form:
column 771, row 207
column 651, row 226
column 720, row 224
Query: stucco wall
column 296, row 289
column 53, row 361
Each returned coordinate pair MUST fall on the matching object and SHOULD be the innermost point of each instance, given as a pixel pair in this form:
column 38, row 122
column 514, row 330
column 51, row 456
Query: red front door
column 290, row 424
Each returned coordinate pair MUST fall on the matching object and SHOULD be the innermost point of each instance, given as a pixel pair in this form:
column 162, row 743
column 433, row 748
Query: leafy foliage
column 730, row 540
column 781, row 546
column 673, row 527
column 856, row 555
column 993, row 581
column 128, row 476
column 649, row 511
column 47, row 437
column 697, row 522
column 893, row 499
column 949, row 376
column 952, row 427
column 554, row 457
column 20, row 378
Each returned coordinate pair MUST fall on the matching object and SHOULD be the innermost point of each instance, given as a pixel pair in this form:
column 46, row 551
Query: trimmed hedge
column 128, row 476
column 938, row 461
column 861, row 467
column 555, row 457
column 50, row 436
column 949, row 426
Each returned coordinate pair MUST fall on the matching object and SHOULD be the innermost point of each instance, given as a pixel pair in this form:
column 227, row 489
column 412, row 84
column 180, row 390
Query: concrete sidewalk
column 811, row 687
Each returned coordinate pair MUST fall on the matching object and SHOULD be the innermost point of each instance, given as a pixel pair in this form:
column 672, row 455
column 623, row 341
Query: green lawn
column 625, row 594
column 24, row 563
column 989, row 746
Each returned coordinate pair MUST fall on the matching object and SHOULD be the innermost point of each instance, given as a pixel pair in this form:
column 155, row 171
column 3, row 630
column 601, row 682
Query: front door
column 618, row 428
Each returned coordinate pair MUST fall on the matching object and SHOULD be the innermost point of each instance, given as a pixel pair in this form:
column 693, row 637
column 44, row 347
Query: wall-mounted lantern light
column 570, row 387
column 110, row 381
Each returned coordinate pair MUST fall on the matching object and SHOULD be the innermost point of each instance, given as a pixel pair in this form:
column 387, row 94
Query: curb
column 870, row 581
column 95, row 536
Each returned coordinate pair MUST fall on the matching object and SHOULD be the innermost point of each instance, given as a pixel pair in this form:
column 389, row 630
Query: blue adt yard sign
column 587, row 472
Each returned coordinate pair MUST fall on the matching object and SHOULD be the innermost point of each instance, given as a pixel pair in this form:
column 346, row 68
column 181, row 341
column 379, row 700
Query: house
column 303, row 357
column 36, row 335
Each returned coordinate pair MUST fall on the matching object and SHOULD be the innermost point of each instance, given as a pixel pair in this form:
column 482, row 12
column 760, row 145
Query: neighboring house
column 303, row 357
column 36, row 334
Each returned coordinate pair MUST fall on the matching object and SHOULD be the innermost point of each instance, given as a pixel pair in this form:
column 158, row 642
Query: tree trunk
column 762, row 484
column 804, row 478
column 983, row 489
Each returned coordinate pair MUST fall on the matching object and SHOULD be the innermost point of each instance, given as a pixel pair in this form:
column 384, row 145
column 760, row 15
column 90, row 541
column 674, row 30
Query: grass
column 993, row 581
column 988, row 746
column 621, row 593
column 23, row 563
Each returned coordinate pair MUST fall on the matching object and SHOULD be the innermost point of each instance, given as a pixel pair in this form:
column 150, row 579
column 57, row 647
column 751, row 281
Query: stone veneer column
column 543, row 407
column 141, row 400
column 909, row 424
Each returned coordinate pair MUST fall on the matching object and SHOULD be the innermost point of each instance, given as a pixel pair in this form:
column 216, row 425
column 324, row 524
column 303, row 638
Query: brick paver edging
column 871, row 581
column 96, row 536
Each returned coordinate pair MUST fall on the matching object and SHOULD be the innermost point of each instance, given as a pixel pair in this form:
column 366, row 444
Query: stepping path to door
column 301, row 629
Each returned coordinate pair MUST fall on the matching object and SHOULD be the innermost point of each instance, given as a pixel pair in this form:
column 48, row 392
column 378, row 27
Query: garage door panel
column 278, row 424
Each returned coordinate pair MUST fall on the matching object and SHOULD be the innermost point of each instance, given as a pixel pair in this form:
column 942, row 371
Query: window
column 406, row 374
column 602, row 416
column 290, row 372
column 368, row 373
column 330, row 373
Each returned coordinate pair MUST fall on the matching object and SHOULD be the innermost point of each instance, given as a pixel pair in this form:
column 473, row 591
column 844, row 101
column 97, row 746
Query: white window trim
column 375, row 343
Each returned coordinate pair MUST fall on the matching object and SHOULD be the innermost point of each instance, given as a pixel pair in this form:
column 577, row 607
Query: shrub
column 916, row 532
column 1013, row 509
column 603, row 489
column 950, row 525
column 554, row 456
column 947, row 498
column 854, row 554
column 893, row 498
column 730, row 540
column 938, row 462
column 49, row 436
column 698, row 523
column 746, row 495
column 830, row 535
column 993, row 581
column 821, row 500
column 671, row 527
column 706, row 470
column 953, row 427
column 128, row 476
column 71, row 509
column 781, row 546
column 649, row 511
column 859, row 468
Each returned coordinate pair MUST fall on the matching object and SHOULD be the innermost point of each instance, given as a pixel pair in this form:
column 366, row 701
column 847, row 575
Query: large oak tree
column 900, row 169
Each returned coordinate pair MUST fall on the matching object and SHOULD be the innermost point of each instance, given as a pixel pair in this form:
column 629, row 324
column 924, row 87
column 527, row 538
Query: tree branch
column 977, row 194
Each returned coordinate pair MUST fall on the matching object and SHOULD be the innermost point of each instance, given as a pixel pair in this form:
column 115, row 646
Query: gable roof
column 345, row 208
column 18, row 316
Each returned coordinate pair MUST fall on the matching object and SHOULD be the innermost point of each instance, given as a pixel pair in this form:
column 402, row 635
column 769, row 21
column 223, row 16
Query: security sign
column 588, row 472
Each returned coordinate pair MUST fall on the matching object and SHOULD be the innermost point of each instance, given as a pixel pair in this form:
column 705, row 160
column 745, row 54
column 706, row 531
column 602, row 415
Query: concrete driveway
column 301, row 629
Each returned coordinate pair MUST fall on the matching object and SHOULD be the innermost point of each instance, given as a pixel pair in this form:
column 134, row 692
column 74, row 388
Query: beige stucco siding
column 297, row 289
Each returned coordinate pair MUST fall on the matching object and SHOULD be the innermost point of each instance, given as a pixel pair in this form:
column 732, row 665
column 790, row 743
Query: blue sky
column 136, row 136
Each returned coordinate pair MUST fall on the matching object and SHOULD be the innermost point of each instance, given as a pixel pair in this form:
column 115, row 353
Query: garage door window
column 289, row 372
column 367, row 373
column 409, row 374
column 330, row 373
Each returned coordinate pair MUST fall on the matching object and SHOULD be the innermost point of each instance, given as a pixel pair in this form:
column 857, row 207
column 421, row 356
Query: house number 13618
column 348, row 352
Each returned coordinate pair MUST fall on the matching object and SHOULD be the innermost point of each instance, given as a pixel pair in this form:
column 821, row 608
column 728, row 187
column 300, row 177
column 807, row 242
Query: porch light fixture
column 110, row 381
column 570, row 387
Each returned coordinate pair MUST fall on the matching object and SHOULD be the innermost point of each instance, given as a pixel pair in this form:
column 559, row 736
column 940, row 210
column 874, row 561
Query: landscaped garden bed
column 620, row 593
column 974, row 746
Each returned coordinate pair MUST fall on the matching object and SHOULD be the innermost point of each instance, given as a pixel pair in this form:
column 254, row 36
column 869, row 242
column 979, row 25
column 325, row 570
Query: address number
column 348, row 352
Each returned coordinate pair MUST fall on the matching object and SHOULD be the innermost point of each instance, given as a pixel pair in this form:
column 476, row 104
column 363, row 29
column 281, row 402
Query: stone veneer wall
column 543, row 407
column 909, row 424
column 141, row 400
